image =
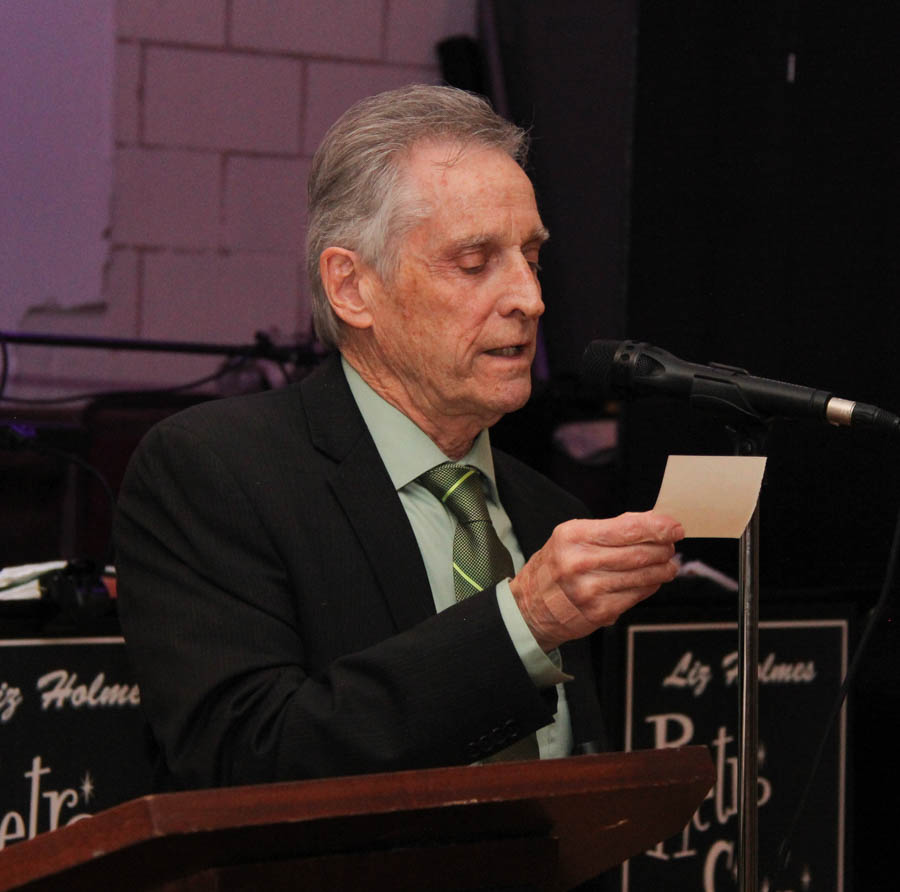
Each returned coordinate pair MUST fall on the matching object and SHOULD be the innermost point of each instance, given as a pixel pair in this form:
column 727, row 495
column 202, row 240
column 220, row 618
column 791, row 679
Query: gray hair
column 357, row 195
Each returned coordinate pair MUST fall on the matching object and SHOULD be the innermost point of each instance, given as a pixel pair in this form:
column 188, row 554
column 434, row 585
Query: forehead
column 465, row 189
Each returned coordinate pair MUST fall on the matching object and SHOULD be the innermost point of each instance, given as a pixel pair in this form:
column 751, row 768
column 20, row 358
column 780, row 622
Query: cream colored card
column 713, row 496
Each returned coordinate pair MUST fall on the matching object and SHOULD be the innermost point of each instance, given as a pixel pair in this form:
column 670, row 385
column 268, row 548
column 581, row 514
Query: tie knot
column 459, row 488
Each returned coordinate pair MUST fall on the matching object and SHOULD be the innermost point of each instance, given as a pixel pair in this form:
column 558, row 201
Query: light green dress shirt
column 407, row 451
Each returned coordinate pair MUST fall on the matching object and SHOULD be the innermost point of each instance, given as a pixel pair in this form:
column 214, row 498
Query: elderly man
column 341, row 576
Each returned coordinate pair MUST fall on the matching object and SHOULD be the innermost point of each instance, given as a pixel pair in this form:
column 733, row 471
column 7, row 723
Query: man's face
column 456, row 326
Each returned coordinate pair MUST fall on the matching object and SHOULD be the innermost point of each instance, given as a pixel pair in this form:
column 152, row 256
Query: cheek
column 441, row 321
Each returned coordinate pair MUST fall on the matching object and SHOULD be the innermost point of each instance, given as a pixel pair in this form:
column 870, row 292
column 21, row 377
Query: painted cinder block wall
column 218, row 108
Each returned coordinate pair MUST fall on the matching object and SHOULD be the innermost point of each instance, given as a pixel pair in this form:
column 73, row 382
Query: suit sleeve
column 253, row 668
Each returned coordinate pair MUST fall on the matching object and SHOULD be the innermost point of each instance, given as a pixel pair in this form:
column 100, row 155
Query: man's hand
column 589, row 572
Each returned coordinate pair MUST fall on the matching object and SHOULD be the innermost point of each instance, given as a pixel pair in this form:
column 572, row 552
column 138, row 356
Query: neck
column 452, row 434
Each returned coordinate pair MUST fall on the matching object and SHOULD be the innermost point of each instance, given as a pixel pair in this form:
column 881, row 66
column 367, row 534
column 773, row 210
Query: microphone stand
column 749, row 440
column 748, row 730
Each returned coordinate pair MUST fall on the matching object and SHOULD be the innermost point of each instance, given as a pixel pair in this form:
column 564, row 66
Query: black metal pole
column 262, row 348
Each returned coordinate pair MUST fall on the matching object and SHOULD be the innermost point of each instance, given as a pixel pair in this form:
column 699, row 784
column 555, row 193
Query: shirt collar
column 406, row 450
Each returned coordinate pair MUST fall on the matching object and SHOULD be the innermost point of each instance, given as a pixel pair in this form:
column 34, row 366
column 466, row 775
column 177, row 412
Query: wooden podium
column 538, row 825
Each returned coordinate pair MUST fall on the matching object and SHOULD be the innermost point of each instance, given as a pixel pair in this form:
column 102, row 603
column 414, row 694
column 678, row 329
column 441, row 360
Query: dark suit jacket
column 277, row 609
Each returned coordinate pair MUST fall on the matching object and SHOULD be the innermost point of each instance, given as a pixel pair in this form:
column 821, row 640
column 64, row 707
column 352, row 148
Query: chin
column 511, row 397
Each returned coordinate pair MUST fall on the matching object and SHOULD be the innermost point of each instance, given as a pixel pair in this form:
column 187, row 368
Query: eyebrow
column 539, row 235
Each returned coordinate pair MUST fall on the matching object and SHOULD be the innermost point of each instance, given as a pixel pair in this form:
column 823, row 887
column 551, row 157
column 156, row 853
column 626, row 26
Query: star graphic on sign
column 87, row 787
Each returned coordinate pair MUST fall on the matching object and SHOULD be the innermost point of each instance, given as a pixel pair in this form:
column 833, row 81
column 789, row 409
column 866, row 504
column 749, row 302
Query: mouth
column 511, row 351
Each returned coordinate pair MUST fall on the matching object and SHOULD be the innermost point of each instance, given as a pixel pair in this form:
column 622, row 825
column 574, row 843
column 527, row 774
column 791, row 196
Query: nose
column 522, row 290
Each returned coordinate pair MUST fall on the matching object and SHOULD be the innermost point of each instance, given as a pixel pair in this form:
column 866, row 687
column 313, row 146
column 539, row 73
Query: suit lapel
column 366, row 494
column 530, row 526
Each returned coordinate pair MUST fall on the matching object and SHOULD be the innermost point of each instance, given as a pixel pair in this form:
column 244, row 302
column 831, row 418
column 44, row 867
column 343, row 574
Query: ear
column 344, row 278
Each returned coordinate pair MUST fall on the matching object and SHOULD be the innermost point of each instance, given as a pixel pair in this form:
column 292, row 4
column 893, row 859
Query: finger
column 625, row 557
column 624, row 581
column 595, row 585
column 631, row 529
column 607, row 610
column 671, row 525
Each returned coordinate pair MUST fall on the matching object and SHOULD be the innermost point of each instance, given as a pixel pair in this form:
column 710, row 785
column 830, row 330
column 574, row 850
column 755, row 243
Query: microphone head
column 598, row 369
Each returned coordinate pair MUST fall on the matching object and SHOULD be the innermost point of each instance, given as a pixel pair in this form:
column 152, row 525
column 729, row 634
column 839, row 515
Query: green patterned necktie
column 480, row 559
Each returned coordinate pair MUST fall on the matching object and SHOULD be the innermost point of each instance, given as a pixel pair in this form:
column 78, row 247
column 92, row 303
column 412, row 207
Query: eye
column 473, row 262
column 531, row 256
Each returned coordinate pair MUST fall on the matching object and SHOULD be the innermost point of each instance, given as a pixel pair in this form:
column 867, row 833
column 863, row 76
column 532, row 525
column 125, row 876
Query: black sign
column 682, row 688
column 71, row 733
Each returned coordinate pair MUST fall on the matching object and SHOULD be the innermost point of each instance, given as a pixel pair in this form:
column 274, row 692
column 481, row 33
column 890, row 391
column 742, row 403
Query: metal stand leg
column 748, row 731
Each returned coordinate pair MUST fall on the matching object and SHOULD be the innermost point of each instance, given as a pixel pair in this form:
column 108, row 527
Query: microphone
column 628, row 369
